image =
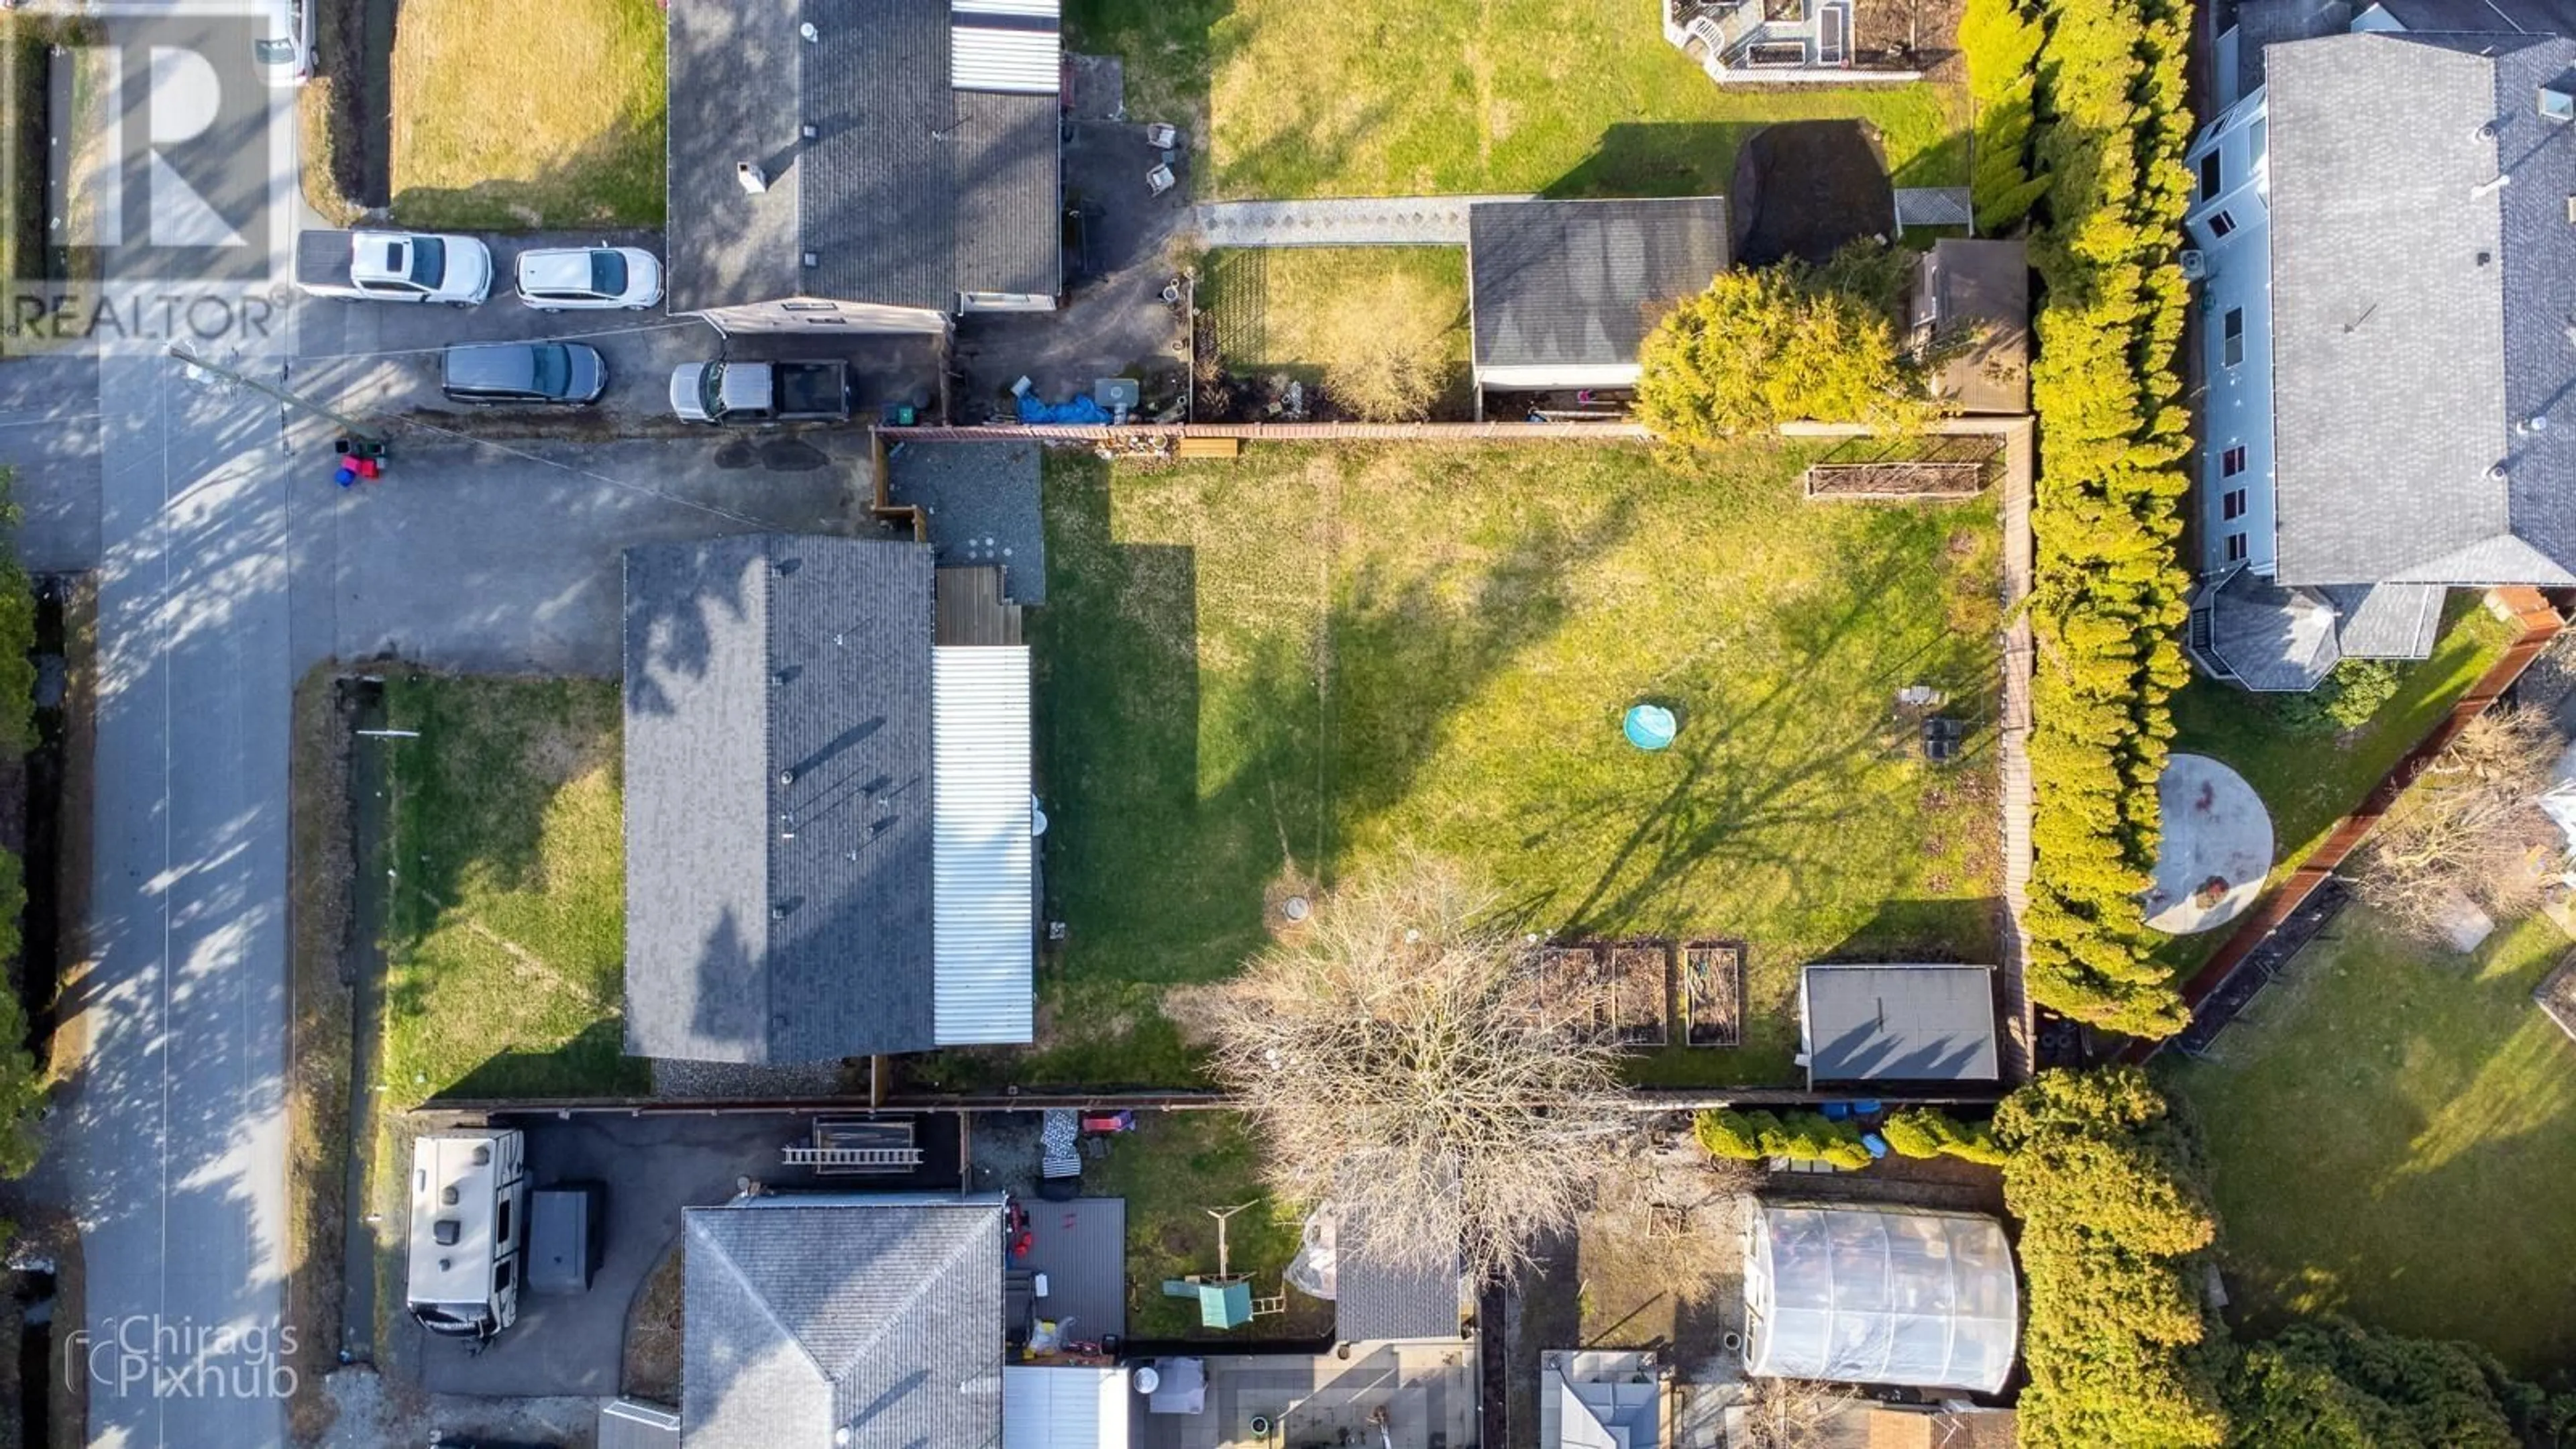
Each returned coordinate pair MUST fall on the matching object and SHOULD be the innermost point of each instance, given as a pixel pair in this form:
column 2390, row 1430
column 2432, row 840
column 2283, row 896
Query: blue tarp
column 1081, row 411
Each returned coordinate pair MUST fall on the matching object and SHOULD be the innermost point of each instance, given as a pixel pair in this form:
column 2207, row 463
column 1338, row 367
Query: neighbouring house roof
column 1899, row 1023
column 2387, row 621
column 2269, row 637
column 1580, row 283
column 1382, row 1295
column 778, row 799
column 2420, row 310
column 933, row 168
column 1599, row 1399
column 2264, row 23
column 2484, row 17
column 1972, row 300
column 881, row 1315
column 983, row 857
column 1065, row 1406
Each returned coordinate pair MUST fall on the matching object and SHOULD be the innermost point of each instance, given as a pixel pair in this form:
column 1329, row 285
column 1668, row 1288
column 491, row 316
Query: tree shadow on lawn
column 1174, row 807
column 594, row 1063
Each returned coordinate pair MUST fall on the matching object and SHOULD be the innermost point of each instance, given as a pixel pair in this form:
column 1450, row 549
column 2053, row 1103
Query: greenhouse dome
column 1879, row 1296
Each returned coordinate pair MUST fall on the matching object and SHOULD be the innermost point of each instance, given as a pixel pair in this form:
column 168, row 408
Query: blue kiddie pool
column 1649, row 726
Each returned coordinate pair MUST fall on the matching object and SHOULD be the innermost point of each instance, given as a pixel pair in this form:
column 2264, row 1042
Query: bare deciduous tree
column 1792, row 1413
column 1390, row 1057
column 2470, row 828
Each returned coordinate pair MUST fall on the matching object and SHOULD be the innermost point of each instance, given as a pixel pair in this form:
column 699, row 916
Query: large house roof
column 881, row 1316
column 1580, row 283
column 2424, row 275
column 917, row 183
column 778, row 799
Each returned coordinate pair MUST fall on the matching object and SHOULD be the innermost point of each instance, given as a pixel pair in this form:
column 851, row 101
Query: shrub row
column 22, row 1086
column 1800, row 1137
column 2107, row 599
column 1923, row 1132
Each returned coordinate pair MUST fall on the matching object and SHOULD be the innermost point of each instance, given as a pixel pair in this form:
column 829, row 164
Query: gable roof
column 1899, row 1023
column 2420, row 310
column 778, row 799
column 919, row 182
column 1580, row 283
column 881, row 1315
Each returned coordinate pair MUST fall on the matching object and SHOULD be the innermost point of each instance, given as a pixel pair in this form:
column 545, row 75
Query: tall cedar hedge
column 22, row 1088
column 2002, row 46
column 2107, row 599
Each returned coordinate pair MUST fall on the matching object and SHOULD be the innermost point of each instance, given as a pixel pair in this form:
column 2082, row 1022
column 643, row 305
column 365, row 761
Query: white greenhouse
column 1879, row 1296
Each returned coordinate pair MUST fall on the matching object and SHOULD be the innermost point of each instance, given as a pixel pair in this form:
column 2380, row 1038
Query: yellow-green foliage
column 1790, row 341
column 2107, row 597
column 2120, row 1349
column 2002, row 46
column 1800, row 1137
column 1926, row 1132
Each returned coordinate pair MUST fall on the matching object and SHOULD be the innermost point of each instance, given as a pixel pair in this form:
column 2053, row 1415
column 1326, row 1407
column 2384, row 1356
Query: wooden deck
column 971, row 609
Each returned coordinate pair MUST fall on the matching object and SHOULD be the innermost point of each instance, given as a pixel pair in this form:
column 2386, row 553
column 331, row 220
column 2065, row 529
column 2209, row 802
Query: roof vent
column 751, row 177
column 787, row 777
column 2487, row 130
column 2485, row 189
column 813, row 259
column 2557, row 102
column 811, row 130
column 809, row 32
column 483, row 1155
column 2496, row 473
column 445, row 1232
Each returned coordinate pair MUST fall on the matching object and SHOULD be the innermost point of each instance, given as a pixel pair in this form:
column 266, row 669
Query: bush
column 1390, row 377
column 2002, row 45
column 1924, row 1132
column 2347, row 699
column 1800, row 1137
column 2119, row 1345
column 1790, row 341
column 2106, row 598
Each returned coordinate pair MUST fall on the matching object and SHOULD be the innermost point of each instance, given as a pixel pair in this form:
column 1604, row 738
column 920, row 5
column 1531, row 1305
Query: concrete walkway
column 1933, row 206
column 1380, row 221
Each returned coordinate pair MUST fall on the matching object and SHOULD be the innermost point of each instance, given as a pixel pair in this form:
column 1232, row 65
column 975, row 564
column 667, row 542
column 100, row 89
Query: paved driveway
column 503, row 556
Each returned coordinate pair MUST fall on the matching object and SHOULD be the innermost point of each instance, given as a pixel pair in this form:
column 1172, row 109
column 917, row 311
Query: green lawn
column 1288, row 98
column 511, row 117
column 506, row 939
column 2394, row 1139
column 1171, row 1170
column 1309, row 312
column 1256, row 676
column 2310, row 781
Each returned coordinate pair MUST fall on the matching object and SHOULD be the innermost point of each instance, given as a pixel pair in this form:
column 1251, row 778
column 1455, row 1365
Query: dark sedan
column 523, row 372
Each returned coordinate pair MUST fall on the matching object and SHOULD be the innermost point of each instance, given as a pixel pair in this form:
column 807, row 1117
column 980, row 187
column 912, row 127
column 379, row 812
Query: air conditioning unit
column 2195, row 264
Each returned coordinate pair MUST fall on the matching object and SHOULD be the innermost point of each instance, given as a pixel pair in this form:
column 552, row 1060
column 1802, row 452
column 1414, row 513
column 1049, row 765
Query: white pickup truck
column 761, row 392
column 393, row 266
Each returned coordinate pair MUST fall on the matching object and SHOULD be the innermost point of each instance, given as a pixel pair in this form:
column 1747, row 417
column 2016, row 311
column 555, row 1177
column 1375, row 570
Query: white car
column 283, row 51
column 556, row 278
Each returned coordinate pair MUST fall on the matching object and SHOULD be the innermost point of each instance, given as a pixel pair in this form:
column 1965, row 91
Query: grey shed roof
column 880, row 1315
column 2420, row 310
column 1580, row 283
column 910, row 191
column 1899, row 1023
column 778, row 800
column 1379, row 1295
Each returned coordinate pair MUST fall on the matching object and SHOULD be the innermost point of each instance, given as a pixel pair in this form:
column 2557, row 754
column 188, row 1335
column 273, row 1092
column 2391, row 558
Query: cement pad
column 2216, row 835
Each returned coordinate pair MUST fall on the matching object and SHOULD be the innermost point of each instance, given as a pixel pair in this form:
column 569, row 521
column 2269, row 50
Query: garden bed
column 1712, row 994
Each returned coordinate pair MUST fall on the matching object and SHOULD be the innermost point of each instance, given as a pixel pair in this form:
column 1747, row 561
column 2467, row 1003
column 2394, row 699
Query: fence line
column 1274, row 432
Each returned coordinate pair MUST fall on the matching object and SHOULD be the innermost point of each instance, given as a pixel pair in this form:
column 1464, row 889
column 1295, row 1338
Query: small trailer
column 469, row 1223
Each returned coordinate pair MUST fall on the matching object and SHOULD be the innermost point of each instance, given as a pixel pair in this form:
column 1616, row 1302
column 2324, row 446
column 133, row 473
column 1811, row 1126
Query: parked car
column 522, row 372
column 393, row 266
column 761, row 392
column 282, row 52
column 553, row 278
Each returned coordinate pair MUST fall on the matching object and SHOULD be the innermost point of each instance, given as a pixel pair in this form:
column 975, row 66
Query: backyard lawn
column 1311, row 313
column 1291, row 98
column 1172, row 1170
column 505, row 941
column 2310, row 781
column 2393, row 1137
column 507, row 117
column 1257, row 676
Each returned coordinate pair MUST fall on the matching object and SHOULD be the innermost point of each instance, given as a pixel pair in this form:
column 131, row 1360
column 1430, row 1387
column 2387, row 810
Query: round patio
column 2217, row 847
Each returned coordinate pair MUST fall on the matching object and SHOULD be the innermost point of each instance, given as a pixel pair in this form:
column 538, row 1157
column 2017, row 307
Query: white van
column 469, row 1217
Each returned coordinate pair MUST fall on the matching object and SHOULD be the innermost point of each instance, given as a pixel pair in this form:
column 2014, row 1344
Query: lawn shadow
column 1656, row 158
column 1955, row 930
column 1943, row 163
column 592, row 1064
column 1168, row 53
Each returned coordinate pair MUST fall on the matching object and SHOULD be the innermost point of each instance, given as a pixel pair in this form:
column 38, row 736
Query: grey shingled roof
column 1579, row 283
column 2420, row 311
column 778, row 800
column 2272, row 638
column 2264, row 23
column 1378, row 1295
column 1900, row 1023
column 881, row 1316
column 909, row 192
column 2388, row 621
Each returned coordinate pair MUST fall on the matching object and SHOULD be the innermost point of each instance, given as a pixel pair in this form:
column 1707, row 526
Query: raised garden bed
column 1573, row 983
column 1712, row 993
column 1641, row 989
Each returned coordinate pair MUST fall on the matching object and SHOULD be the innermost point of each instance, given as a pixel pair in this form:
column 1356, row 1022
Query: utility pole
column 357, row 431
